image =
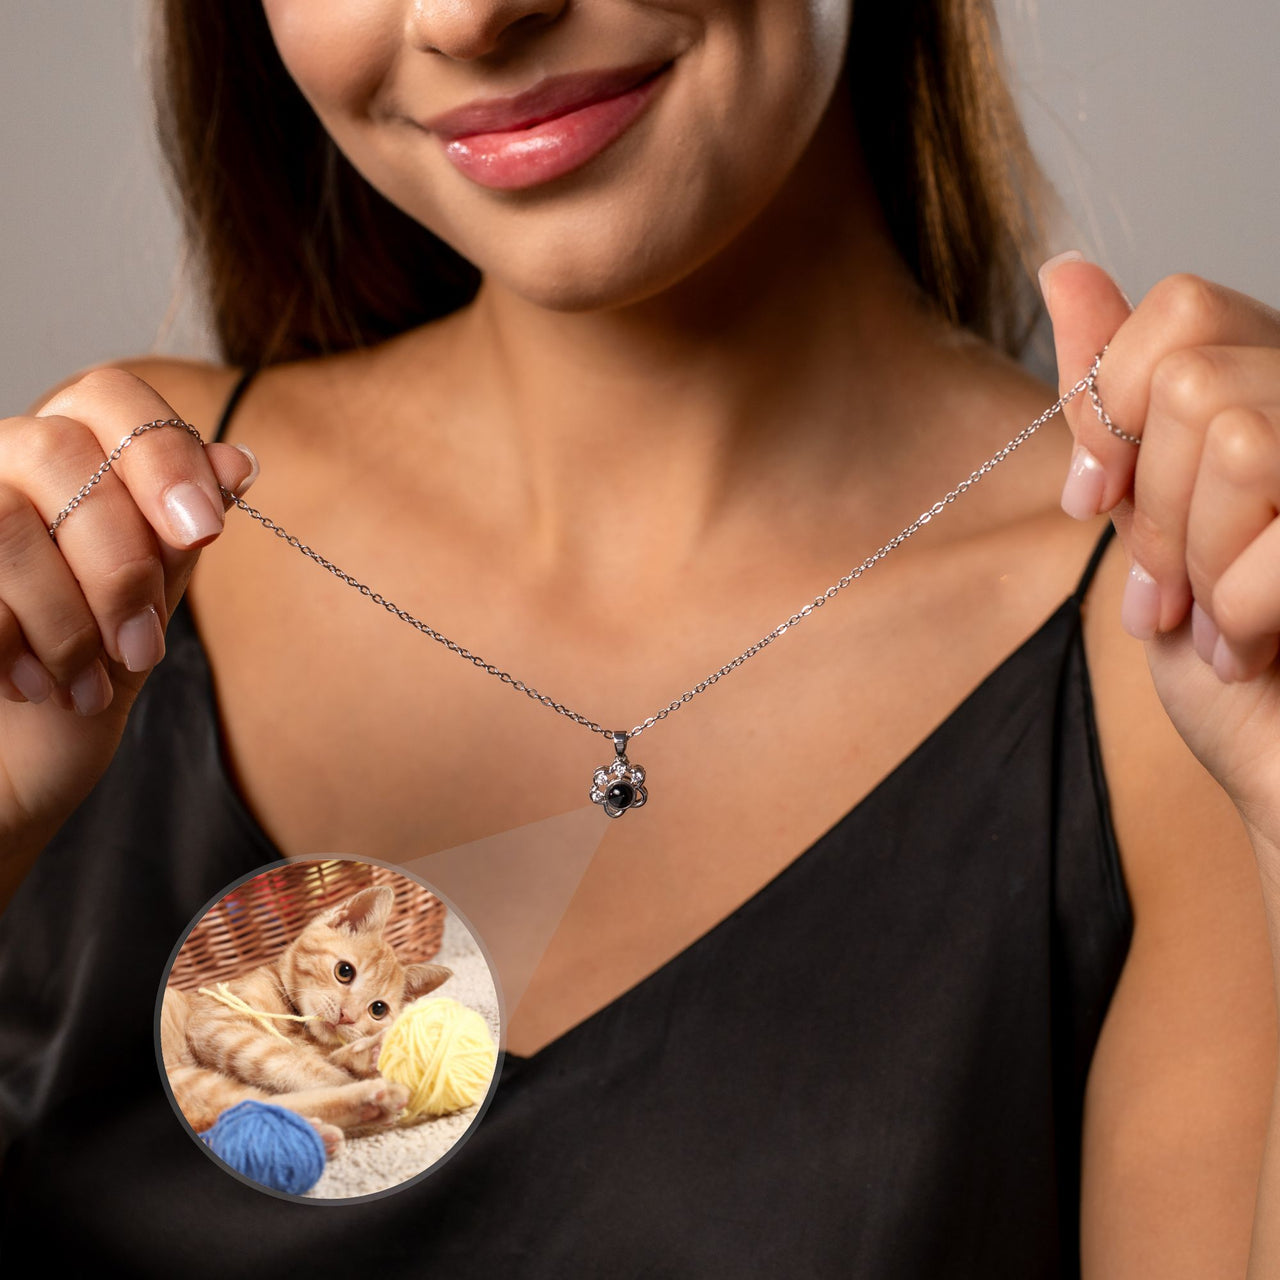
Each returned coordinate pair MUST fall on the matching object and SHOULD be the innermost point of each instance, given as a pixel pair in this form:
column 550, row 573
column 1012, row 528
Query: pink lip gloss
column 510, row 161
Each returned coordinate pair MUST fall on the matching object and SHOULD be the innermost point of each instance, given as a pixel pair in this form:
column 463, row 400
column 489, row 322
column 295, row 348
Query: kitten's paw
column 367, row 1051
column 332, row 1135
column 360, row 1057
column 382, row 1100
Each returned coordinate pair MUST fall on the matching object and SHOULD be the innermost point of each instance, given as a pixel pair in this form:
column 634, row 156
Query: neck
column 765, row 376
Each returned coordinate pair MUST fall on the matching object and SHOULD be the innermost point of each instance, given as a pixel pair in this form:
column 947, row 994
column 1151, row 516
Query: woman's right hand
column 82, row 617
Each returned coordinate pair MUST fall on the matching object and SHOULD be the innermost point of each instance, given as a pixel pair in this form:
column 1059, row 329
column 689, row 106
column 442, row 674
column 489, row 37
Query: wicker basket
column 256, row 921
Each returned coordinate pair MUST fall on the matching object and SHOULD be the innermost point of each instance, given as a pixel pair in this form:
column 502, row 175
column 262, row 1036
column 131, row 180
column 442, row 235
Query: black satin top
column 873, row 1068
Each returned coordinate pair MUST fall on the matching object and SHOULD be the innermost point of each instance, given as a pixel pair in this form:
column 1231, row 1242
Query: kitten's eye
column 344, row 971
column 378, row 1009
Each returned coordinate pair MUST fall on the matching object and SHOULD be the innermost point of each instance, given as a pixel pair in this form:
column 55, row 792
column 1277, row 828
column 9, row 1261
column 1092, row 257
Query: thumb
column 235, row 468
column 1086, row 308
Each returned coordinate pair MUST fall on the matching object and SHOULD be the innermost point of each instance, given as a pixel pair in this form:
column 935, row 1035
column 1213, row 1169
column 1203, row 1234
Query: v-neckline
column 792, row 868
column 232, row 797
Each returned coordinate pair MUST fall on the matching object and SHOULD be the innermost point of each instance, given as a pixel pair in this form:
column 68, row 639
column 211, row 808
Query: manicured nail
column 140, row 640
column 91, row 690
column 254, row 469
column 1082, row 492
column 1226, row 665
column 31, row 679
column 1204, row 633
column 1047, row 266
column 1140, row 607
column 191, row 514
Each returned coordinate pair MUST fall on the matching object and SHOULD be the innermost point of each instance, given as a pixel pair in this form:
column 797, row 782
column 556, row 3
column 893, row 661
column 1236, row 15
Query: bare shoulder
column 1180, row 1086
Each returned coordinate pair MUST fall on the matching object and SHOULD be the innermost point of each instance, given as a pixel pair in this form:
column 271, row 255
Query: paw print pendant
column 619, row 786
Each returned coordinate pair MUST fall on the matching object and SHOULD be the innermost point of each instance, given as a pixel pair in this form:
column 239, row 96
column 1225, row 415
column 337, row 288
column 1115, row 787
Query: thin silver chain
column 1103, row 416
column 924, row 518
column 111, row 459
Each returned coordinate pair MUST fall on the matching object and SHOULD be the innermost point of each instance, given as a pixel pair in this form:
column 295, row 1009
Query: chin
column 564, row 289
column 596, row 261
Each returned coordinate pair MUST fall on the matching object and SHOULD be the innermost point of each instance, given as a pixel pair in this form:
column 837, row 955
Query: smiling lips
column 510, row 143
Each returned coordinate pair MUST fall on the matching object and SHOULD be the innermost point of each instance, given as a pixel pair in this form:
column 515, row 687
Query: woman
column 741, row 307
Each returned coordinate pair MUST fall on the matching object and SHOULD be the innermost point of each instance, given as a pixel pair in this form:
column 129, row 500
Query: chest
column 348, row 731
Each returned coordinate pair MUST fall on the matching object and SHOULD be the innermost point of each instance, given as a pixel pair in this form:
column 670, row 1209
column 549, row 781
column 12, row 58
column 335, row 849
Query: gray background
column 1158, row 131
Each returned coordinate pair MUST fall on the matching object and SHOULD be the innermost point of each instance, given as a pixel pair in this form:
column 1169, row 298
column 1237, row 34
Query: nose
column 343, row 1020
column 467, row 29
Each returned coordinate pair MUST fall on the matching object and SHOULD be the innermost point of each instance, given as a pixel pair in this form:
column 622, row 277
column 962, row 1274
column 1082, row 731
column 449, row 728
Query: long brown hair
column 301, row 256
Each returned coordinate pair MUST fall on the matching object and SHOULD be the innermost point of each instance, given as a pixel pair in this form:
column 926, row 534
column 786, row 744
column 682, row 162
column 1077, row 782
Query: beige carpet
column 383, row 1160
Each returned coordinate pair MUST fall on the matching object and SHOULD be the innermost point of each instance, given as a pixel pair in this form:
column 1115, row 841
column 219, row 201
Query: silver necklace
column 619, row 785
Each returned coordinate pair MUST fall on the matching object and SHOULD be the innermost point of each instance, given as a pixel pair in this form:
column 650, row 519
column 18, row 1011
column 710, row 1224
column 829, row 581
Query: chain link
column 924, row 518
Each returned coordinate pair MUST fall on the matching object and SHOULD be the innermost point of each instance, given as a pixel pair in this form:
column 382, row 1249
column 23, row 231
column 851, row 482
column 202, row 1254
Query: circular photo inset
column 329, row 1028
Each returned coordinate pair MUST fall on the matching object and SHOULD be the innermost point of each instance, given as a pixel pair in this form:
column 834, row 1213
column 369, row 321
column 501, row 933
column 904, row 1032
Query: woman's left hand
column 1194, row 370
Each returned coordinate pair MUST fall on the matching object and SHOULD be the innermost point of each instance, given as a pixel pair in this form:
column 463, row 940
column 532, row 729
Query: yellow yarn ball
column 445, row 1054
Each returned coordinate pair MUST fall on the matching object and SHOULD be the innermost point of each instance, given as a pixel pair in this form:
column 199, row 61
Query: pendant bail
column 620, row 743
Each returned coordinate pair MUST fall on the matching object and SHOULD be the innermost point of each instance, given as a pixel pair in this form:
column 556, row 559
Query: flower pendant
column 619, row 786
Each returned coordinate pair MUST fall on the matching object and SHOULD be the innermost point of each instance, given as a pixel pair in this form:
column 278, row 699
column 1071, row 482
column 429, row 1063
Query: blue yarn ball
column 269, row 1144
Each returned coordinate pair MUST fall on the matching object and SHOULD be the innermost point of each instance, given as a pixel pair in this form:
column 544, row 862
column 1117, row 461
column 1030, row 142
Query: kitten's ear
column 363, row 912
column 421, row 978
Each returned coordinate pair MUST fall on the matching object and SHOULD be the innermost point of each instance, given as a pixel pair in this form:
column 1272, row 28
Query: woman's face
column 643, row 135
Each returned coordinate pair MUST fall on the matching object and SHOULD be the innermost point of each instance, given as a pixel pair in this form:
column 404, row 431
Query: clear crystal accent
column 620, row 769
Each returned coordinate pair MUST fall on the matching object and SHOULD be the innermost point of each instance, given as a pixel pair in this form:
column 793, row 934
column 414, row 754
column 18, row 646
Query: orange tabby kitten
column 340, row 968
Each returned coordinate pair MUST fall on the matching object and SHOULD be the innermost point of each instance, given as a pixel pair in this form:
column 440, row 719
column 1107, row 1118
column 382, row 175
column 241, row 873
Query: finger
column 1233, row 509
column 1189, row 388
column 116, row 567
column 41, row 592
column 1248, row 598
column 1087, row 309
column 111, row 550
column 235, row 468
column 166, row 471
column 1179, row 311
column 22, row 678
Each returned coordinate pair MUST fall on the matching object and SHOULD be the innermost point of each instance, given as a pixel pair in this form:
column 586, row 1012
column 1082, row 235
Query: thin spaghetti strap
column 242, row 385
column 1087, row 576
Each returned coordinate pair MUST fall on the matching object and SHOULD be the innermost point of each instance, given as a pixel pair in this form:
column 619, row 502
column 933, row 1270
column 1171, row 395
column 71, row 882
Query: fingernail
column 1204, row 633
column 254, row 469
column 31, row 679
column 1047, row 266
column 1140, row 606
column 1082, row 492
column 91, row 690
column 140, row 640
column 191, row 514
column 1226, row 665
